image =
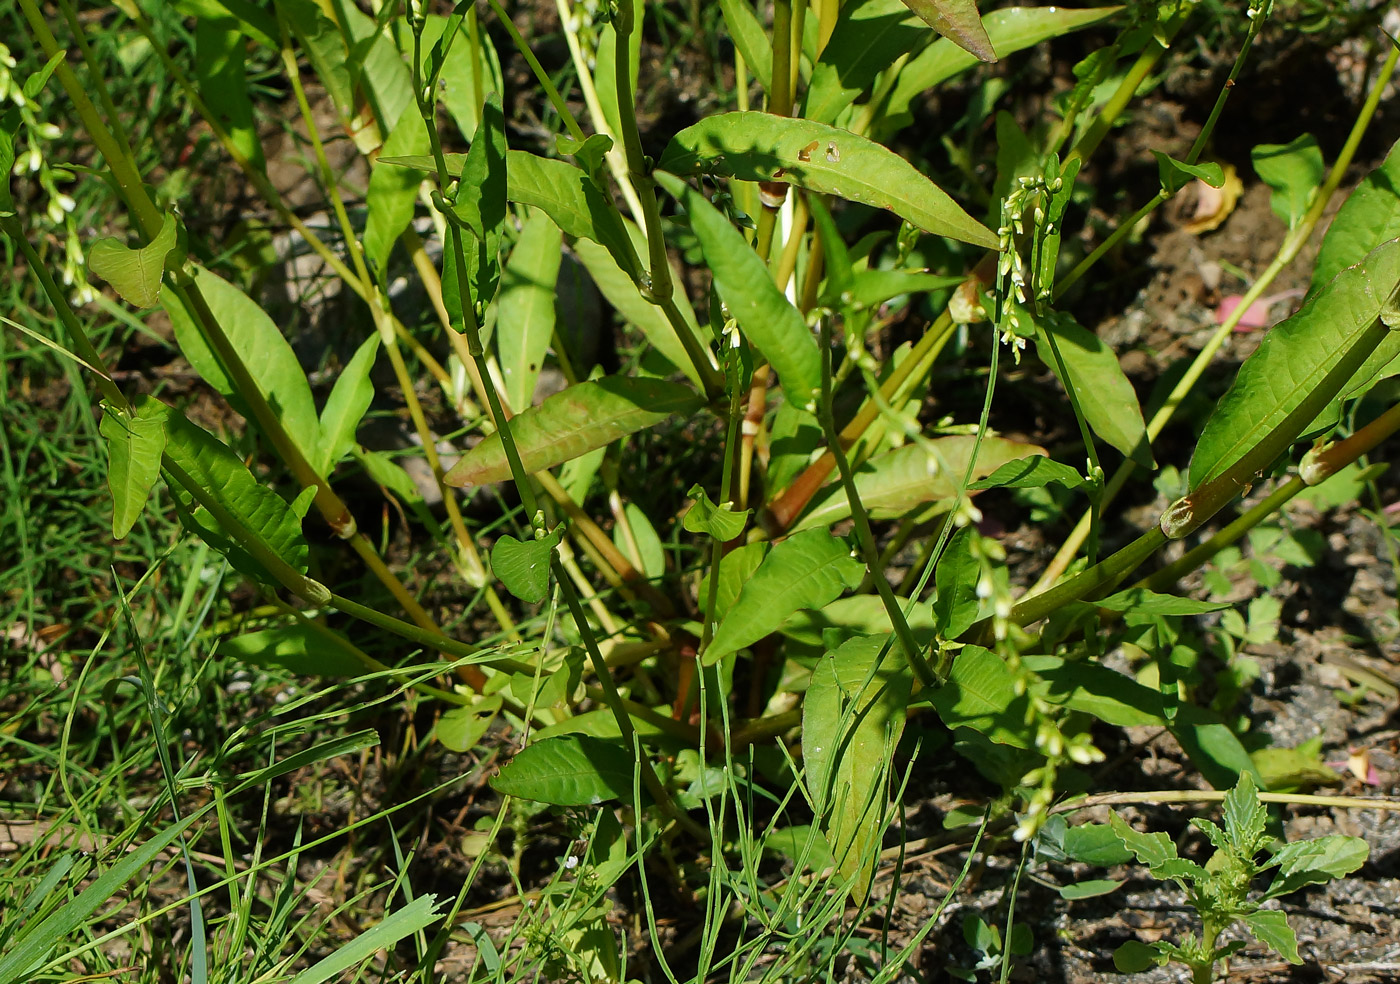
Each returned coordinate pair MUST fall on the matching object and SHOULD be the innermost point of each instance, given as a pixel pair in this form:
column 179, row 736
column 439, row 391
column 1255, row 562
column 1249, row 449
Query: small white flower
column 570, row 863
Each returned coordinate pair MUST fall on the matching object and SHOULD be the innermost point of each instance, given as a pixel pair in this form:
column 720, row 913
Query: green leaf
column 605, row 77
column 1010, row 29
column 650, row 556
column 1293, row 360
column 1370, row 215
column 346, row 406
column 135, row 274
column 1096, row 844
column 1134, row 957
column 220, row 44
column 572, row 770
column 871, row 288
column 213, row 466
column 852, row 717
column 745, row 285
column 1092, row 372
column 756, row 146
column 1141, row 601
column 523, row 567
column 262, row 349
column 957, row 21
column 750, row 38
column 525, row 308
column 457, row 80
column 856, row 615
column 324, row 47
column 867, row 39
column 807, row 570
column 135, row 443
column 481, row 194
column 1293, row 170
column 735, row 569
column 1212, row 747
column 412, row 918
column 980, row 694
column 1245, row 816
column 1316, row 862
column 297, row 647
column 573, row 422
column 1271, row 927
column 622, row 293
column 1092, row 888
column 393, row 191
column 959, row 570
column 577, row 205
column 897, row 481
column 720, row 522
column 1030, row 473
column 461, row 728
column 1176, row 174
column 1152, row 849
column 1098, row 690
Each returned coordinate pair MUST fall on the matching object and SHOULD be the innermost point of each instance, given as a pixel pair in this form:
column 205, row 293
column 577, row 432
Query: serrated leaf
column 135, row 443
column 753, row 146
column 525, row 308
column 852, row 717
column 573, row 422
column 1293, row 359
column 1095, row 844
column 1030, row 473
column 807, row 570
column 1293, row 170
column 261, row 347
column 1271, row 927
column 957, row 20
column 1245, row 816
column 1182, row 871
column 1091, row 369
column 135, row 274
column 720, row 522
column 1370, row 215
column 745, row 285
column 1316, row 862
column 346, row 406
column 298, row 647
column 571, row 770
column 1151, row 849
column 867, row 39
column 891, row 484
column 981, row 694
column 523, row 566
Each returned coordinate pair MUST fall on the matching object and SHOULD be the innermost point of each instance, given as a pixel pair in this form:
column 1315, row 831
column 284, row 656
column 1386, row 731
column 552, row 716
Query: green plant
column 1221, row 890
column 694, row 637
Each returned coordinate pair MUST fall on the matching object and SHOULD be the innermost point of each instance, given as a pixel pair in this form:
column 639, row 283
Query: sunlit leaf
column 867, row 39
column 346, row 406
column 1271, row 927
column 135, row 442
column 297, row 647
column 135, row 274
column 1370, row 215
column 1294, row 171
column 720, row 522
column 980, row 694
column 393, row 191
column 571, row 770
column 523, row 566
column 525, row 308
column 957, row 21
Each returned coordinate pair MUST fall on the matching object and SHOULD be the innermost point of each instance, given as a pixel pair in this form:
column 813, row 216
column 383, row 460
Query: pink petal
column 1256, row 317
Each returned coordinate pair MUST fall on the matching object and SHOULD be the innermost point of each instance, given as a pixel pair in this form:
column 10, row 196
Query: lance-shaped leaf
column 897, row 481
column 867, row 39
column 852, row 718
column 345, row 407
column 958, row 21
column 981, row 694
column 393, row 191
column 820, row 158
column 135, row 442
column 481, row 194
column 134, row 273
column 571, row 770
column 1010, row 29
column 574, row 422
column 768, row 319
column 807, row 570
column 1370, row 215
column 525, row 310
column 1293, row 359
column 299, row 647
column 220, row 47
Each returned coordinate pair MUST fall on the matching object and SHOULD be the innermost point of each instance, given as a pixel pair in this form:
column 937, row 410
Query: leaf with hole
column 135, row 443
column 852, row 718
column 754, row 146
column 573, row 422
column 523, row 566
column 767, row 318
column 893, row 483
column 1293, row 360
column 135, row 274
column 571, row 770
column 807, row 570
